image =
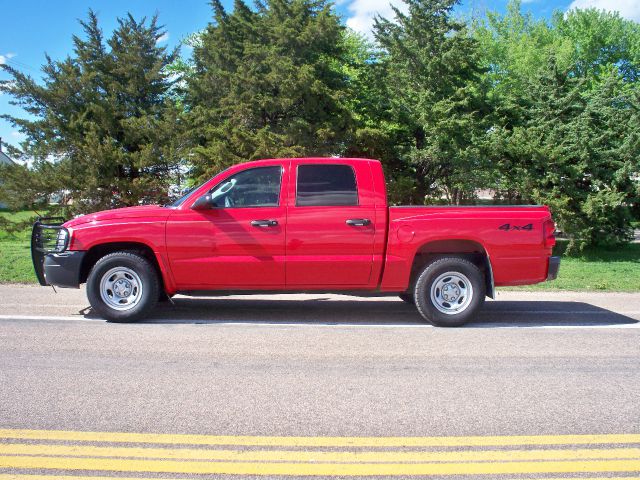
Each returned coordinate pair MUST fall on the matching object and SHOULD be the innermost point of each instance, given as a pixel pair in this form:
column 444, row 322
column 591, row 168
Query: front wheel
column 449, row 291
column 123, row 287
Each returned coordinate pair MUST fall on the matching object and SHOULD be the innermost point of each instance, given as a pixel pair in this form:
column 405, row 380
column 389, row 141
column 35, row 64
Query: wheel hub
column 451, row 293
column 122, row 288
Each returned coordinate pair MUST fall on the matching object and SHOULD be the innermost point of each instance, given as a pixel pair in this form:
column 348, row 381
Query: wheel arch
column 470, row 250
column 96, row 252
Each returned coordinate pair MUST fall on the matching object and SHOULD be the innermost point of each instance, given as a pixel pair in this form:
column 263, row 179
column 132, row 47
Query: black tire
column 467, row 303
column 149, row 286
column 407, row 297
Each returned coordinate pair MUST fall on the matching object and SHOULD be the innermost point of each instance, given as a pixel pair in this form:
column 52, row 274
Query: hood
column 146, row 211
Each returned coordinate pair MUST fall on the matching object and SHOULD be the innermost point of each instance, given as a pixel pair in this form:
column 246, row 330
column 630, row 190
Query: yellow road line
column 476, row 441
column 20, row 476
column 319, row 456
column 352, row 469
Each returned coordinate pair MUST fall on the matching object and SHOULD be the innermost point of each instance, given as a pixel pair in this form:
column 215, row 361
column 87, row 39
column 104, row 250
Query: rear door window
column 326, row 185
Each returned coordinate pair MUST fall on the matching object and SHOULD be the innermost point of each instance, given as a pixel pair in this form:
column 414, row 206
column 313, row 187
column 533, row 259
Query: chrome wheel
column 451, row 293
column 121, row 288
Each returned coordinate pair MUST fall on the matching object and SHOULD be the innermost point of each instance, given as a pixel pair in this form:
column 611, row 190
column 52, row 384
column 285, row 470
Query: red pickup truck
column 297, row 225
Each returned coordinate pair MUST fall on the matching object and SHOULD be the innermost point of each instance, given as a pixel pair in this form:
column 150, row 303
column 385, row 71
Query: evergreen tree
column 434, row 70
column 268, row 83
column 376, row 130
column 101, row 129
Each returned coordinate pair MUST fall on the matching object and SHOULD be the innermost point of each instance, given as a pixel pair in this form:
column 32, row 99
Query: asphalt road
column 266, row 380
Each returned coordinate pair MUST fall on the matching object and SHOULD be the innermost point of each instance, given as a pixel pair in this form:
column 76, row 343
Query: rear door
column 330, row 224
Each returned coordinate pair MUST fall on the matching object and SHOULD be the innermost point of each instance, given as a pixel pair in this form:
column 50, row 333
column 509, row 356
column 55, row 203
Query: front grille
column 49, row 236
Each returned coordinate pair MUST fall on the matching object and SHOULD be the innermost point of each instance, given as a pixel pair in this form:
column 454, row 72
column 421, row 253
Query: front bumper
column 554, row 266
column 63, row 269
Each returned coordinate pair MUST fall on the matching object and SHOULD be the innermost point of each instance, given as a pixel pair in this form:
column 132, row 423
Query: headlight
column 62, row 240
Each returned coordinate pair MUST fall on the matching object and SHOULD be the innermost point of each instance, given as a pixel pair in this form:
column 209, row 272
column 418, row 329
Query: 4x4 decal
column 508, row 227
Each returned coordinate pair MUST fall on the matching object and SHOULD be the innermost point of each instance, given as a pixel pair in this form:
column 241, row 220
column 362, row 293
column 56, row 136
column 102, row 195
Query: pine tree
column 102, row 130
column 268, row 83
column 377, row 131
column 433, row 67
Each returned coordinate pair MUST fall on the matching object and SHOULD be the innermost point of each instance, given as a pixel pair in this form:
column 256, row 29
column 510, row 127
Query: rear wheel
column 449, row 291
column 123, row 287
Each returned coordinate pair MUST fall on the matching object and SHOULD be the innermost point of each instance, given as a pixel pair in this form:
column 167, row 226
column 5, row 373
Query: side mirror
column 203, row 203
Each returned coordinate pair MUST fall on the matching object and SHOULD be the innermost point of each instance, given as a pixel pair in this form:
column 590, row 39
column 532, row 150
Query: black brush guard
column 44, row 233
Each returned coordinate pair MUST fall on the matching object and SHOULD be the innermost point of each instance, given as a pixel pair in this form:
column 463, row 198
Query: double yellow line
column 309, row 456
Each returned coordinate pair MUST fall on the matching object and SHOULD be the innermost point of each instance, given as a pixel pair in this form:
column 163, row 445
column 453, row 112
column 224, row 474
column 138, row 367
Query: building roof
column 4, row 159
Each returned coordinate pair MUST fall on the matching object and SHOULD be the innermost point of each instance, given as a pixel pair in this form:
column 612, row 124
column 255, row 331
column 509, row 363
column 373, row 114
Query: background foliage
column 531, row 110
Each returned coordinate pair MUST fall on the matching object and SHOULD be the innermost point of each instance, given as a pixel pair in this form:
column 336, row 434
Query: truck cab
column 295, row 224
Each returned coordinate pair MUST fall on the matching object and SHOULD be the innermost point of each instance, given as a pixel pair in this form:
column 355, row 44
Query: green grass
column 15, row 218
column 15, row 252
column 604, row 269
column 15, row 262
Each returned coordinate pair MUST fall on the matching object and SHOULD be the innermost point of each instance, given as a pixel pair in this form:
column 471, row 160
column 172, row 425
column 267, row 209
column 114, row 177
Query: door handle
column 264, row 223
column 358, row 222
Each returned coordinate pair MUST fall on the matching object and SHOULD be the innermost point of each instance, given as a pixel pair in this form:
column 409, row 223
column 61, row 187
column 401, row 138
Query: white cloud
column 627, row 8
column 162, row 38
column 362, row 13
column 5, row 57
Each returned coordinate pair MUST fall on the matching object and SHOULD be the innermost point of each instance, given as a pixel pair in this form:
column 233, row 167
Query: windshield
column 181, row 200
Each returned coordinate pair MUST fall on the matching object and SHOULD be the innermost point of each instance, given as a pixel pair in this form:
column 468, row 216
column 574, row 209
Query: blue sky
column 32, row 28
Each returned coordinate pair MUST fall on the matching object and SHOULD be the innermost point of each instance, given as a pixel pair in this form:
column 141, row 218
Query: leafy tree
column 599, row 39
column 515, row 48
column 563, row 118
column 101, row 129
column 268, row 83
column 566, row 153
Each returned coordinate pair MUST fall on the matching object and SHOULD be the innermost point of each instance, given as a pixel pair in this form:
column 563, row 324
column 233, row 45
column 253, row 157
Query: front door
column 238, row 241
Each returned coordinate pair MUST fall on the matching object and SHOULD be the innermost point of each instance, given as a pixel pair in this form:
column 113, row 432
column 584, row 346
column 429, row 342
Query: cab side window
column 256, row 187
column 326, row 185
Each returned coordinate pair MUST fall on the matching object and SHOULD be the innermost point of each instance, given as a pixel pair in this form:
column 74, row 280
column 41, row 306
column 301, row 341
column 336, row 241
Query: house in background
column 4, row 160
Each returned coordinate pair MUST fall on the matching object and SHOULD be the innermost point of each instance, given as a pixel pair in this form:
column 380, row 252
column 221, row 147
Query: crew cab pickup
column 297, row 225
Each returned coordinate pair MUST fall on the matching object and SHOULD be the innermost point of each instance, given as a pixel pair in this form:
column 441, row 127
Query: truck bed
column 512, row 237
